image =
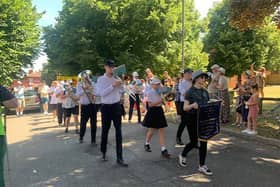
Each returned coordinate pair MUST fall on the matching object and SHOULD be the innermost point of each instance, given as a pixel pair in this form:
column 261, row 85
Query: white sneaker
column 182, row 161
column 253, row 132
column 205, row 170
column 246, row 130
column 46, row 113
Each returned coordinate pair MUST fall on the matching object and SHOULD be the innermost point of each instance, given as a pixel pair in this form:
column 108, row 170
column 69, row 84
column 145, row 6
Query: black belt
column 117, row 103
column 87, row 104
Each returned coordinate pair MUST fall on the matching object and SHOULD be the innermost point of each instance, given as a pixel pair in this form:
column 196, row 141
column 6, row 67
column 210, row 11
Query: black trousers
column 192, row 130
column 183, row 122
column 60, row 113
column 131, row 105
column 2, row 155
column 88, row 112
column 111, row 113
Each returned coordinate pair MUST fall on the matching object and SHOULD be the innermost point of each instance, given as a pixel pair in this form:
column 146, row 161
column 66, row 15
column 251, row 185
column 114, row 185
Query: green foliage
column 236, row 50
column 248, row 14
column 138, row 33
column 19, row 37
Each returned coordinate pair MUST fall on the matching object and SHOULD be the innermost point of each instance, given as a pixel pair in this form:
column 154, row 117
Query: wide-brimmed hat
column 198, row 73
column 215, row 66
column 155, row 81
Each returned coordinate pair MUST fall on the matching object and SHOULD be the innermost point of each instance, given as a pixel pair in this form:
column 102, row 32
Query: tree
column 236, row 50
column 138, row 33
column 19, row 37
column 247, row 14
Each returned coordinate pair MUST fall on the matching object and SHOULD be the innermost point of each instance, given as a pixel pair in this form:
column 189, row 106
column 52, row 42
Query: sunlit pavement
column 40, row 154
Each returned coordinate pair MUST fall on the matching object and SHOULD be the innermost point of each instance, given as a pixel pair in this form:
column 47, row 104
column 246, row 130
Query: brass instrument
column 167, row 93
column 86, row 84
column 121, row 71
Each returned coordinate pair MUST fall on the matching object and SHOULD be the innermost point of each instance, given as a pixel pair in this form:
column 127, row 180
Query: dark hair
column 193, row 80
column 255, row 86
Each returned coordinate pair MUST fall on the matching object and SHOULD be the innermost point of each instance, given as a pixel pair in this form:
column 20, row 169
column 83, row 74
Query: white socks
column 163, row 148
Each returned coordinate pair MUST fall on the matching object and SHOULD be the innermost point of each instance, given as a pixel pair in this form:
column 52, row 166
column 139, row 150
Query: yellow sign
column 74, row 79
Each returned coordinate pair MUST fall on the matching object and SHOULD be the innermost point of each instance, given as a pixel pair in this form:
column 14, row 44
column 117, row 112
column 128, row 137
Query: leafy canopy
column 138, row 33
column 19, row 37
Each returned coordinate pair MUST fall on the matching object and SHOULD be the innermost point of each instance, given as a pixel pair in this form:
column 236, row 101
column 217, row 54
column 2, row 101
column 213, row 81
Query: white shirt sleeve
column 182, row 90
column 102, row 88
column 80, row 90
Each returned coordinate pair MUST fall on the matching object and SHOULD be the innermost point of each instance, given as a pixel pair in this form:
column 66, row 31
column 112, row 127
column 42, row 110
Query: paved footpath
column 40, row 154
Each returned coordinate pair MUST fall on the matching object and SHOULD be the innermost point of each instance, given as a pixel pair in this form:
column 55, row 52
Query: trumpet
column 86, row 83
column 126, row 88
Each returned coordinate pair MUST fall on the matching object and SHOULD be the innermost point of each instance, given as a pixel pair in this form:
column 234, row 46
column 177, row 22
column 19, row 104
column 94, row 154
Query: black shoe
column 147, row 148
column 66, row 130
column 77, row 131
column 104, row 158
column 122, row 163
column 179, row 141
column 165, row 154
column 81, row 141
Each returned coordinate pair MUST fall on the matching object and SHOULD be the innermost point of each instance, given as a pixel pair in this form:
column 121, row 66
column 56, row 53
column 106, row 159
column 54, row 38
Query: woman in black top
column 197, row 95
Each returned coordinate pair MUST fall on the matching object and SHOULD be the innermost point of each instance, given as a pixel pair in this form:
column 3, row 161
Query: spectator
column 44, row 91
column 238, row 111
column 260, row 79
column 19, row 93
column 212, row 88
column 224, row 95
column 253, row 105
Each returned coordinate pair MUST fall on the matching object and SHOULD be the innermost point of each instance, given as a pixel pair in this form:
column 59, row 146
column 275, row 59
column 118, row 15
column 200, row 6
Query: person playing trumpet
column 109, row 88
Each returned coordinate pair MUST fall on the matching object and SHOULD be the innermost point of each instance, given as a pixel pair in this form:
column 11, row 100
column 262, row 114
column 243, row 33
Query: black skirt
column 155, row 118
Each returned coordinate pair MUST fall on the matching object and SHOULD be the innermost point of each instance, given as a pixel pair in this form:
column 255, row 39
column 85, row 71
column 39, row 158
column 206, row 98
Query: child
column 155, row 119
column 253, row 105
column 244, row 109
column 238, row 113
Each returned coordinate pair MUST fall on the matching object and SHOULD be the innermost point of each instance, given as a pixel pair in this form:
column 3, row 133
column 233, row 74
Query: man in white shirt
column 137, row 88
column 59, row 94
column 109, row 88
column 184, row 86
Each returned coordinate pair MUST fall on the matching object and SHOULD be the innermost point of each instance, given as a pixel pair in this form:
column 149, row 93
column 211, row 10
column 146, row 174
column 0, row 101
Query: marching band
column 106, row 95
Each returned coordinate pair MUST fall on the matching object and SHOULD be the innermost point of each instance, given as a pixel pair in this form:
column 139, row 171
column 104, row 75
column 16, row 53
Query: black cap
column 188, row 70
column 110, row 63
